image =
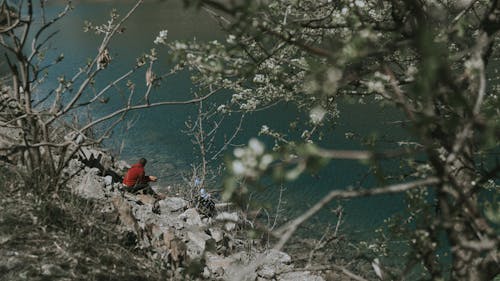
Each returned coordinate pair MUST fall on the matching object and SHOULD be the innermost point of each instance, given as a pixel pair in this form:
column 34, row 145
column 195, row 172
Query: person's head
column 143, row 161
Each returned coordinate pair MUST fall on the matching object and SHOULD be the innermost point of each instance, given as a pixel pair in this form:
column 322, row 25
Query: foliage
column 433, row 60
column 43, row 126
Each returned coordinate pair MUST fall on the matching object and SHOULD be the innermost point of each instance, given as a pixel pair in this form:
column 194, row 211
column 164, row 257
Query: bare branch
column 286, row 231
column 112, row 84
column 36, row 47
column 92, row 74
column 143, row 106
column 230, row 140
column 361, row 154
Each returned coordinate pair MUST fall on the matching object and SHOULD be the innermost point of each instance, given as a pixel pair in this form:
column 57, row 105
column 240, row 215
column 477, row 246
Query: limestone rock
column 155, row 231
column 196, row 244
column 144, row 215
column 146, row 199
column 198, row 238
column 121, row 166
column 191, row 217
column 176, row 233
column 299, row 276
column 216, row 234
column 267, row 271
column 168, row 236
column 206, row 273
column 266, row 265
column 241, row 272
column 277, row 257
column 167, row 220
column 230, row 220
column 273, row 262
column 125, row 214
column 91, row 185
column 172, row 204
column 74, row 166
column 216, row 263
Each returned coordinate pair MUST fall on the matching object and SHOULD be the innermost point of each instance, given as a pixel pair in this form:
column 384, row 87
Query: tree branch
column 286, row 231
column 142, row 106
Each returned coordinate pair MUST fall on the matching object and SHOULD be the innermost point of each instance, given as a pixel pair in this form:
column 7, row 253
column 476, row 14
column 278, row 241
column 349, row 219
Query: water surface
column 157, row 134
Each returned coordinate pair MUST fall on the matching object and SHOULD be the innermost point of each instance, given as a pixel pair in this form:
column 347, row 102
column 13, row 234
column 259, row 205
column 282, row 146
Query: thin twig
column 286, row 231
column 143, row 106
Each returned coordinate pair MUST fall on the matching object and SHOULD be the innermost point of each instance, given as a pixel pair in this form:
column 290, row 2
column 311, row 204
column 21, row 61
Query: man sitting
column 136, row 180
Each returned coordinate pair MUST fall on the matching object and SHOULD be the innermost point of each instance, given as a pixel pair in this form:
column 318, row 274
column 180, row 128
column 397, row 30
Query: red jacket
column 135, row 175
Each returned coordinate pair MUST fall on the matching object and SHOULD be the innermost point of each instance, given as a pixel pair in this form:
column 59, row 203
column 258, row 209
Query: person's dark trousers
column 138, row 187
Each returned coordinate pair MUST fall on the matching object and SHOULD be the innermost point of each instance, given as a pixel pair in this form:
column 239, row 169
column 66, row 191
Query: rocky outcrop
column 90, row 185
column 176, row 233
column 172, row 204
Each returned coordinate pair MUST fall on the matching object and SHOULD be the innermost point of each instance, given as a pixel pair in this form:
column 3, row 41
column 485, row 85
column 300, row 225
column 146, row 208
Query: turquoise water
column 158, row 134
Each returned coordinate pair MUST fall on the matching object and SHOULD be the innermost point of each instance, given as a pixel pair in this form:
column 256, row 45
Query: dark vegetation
column 64, row 239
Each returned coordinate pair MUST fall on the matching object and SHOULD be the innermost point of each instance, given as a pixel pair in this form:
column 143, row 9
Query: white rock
column 206, row 273
column 108, row 180
column 172, row 204
column 193, row 251
column 274, row 256
column 266, row 271
column 299, row 276
column 191, row 217
column 74, row 166
column 266, row 265
column 215, row 262
column 94, row 171
column 91, row 185
column 121, row 165
column 216, row 234
column 229, row 218
column 144, row 215
column 196, row 244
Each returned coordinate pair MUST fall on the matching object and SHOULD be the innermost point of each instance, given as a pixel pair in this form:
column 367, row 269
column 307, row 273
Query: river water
column 158, row 135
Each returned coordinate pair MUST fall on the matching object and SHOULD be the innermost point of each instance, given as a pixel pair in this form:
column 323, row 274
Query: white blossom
column 231, row 39
column 310, row 86
column 317, row 114
column 222, row 108
column 265, row 161
column 375, row 86
column 333, row 76
column 238, row 168
column 259, row 78
column 251, row 161
column 473, row 64
column 239, row 152
column 359, row 3
column 162, row 37
column 256, row 146
column 180, row 46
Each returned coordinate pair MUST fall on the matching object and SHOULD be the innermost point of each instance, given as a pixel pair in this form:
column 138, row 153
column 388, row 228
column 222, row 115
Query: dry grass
column 63, row 239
